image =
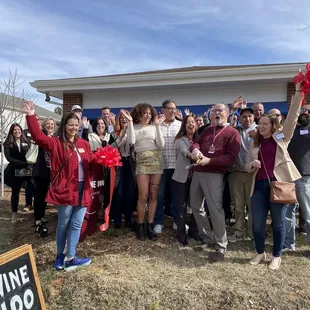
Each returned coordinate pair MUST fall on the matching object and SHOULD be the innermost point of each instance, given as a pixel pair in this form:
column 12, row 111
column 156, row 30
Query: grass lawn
column 130, row 274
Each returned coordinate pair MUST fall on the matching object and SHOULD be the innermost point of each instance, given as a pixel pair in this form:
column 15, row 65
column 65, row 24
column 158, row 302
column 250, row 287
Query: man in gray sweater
column 239, row 180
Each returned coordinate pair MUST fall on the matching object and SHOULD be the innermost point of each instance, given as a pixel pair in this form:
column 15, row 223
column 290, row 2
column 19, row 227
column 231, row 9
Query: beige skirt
column 149, row 162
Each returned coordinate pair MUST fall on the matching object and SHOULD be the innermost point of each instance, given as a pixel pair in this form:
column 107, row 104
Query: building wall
column 185, row 96
column 197, row 99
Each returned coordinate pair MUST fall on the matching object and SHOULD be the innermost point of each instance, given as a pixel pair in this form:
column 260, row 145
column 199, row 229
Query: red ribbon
column 304, row 78
column 105, row 226
column 110, row 157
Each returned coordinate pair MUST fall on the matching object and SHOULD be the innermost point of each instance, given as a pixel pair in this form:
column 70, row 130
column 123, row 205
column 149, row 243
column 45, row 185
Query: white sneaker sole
column 71, row 268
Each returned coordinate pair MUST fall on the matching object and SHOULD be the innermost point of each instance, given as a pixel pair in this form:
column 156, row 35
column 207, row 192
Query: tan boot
column 14, row 217
column 258, row 258
column 275, row 263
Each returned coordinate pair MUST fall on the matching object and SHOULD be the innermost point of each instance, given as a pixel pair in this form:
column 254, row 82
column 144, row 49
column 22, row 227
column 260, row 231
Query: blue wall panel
column 196, row 109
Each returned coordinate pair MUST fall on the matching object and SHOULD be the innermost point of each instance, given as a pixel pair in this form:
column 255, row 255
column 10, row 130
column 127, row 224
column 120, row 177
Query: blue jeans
column 290, row 225
column 72, row 217
column 261, row 204
column 164, row 186
column 303, row 197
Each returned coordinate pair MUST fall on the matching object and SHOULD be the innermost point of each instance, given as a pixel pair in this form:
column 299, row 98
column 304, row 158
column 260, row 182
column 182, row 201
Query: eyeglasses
column 217, row 110
column 171, row 109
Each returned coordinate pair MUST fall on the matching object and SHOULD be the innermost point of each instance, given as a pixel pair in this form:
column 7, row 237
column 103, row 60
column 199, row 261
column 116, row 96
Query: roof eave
column 172, row 78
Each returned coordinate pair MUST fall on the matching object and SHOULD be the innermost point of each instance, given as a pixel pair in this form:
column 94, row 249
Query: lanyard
column 215, row 136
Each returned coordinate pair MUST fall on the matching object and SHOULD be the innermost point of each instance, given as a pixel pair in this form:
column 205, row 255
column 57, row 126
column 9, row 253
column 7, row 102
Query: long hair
column 138, row 111
column 96, row 123
column 62, row 128
column 10, row 140
column 118, row 126
column 275, row 125
column 182, row 131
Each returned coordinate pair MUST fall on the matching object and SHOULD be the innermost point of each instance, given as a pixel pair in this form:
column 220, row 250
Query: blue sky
column 62, row 39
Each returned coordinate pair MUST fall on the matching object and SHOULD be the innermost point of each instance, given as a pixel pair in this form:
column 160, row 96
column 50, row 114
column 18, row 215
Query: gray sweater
column 245, row 144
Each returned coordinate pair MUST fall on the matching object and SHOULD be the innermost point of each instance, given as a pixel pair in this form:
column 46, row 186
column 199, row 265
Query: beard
column 303, row 119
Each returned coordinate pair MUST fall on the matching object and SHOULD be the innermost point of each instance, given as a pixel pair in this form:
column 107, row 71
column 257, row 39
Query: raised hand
column 178, row 113
column 207, row 112
column 298, row 87
column 28, row 107
column 112, row 118
column 159, row 119
column 187, row 112
column 127, row 115
column 85, row 122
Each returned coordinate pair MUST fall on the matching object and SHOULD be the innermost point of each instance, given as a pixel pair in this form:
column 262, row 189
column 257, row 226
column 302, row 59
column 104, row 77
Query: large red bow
column 304, row 78
column 108, row 156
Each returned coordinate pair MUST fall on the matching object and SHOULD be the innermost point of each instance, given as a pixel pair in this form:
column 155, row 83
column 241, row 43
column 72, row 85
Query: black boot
column 141, row 232
column 183, row 240
column 150, row 232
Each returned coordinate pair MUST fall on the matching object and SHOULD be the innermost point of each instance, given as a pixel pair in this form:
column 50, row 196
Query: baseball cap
column 246, row 109
column 76, row 107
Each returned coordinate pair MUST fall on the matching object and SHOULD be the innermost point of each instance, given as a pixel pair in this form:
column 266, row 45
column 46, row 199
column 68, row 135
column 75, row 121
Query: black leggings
column 16, row 186
column 39, row 205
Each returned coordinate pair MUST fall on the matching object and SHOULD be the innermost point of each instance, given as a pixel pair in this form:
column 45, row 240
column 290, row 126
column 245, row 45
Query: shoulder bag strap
column 261, row 155
column 61, row 168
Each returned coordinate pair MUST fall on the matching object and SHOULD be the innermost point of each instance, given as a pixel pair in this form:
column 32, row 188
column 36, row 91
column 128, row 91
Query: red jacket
column 64, row 191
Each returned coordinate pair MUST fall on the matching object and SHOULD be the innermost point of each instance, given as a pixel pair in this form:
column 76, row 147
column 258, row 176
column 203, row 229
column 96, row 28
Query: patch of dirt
column 130, row 274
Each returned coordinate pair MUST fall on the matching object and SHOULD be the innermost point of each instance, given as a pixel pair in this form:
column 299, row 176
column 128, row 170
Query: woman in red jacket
column 70, row 188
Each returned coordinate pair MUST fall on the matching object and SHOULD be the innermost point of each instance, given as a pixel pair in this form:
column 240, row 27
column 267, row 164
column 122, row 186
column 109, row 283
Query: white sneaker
column 275, row 263
column 14, row 217
column 258, row 258
column 158, row 229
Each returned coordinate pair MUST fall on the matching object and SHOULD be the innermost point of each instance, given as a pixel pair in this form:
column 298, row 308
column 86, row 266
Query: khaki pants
column 209, row 186
column 240, row 189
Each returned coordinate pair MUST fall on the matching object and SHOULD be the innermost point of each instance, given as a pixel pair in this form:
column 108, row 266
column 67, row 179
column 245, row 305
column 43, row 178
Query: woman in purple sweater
column 270, row 148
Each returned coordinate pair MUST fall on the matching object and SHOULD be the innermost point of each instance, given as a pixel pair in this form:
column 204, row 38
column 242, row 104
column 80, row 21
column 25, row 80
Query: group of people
column 172, row 165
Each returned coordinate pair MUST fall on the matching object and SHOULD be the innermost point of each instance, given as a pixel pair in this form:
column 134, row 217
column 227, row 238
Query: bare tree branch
column 303, row 29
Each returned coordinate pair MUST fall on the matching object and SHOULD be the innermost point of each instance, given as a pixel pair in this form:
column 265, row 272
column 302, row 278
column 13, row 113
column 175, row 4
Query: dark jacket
column 64, row 191
column 16, row 159
column 299, row 149
column 40, row 170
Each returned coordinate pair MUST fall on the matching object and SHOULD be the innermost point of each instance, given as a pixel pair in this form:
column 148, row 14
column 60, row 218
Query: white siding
column 200, row 95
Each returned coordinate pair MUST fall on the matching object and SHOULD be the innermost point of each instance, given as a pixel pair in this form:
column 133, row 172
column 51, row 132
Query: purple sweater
column 268, row 149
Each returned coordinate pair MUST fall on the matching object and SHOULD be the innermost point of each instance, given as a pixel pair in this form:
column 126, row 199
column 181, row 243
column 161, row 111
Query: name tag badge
column 81, row 150
column 280, row 136
column 24, row 144
column 211, row 149
column 304, row 132
column 28, row 134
